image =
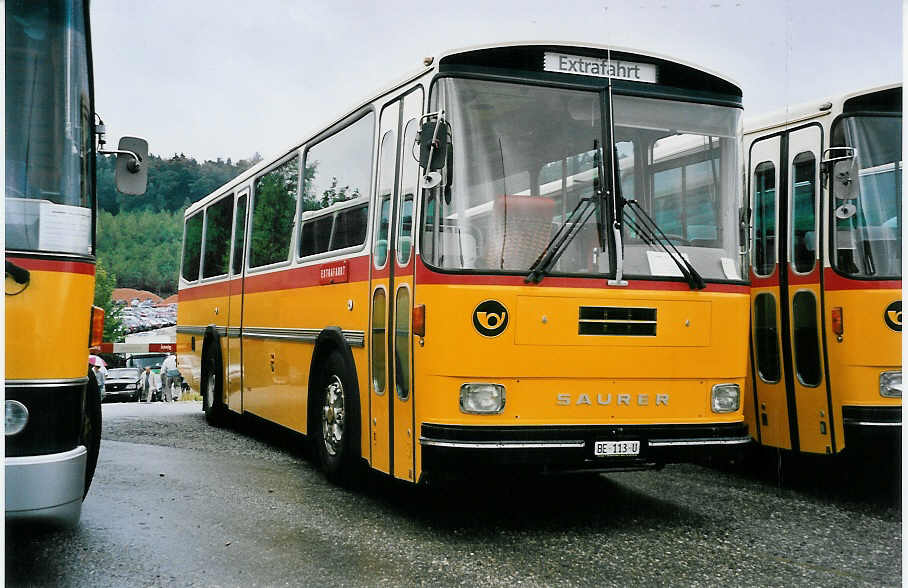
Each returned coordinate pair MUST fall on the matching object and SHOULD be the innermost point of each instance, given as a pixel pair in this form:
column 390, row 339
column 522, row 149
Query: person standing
column 168, row 373
column 99, row 376
column 146, row 383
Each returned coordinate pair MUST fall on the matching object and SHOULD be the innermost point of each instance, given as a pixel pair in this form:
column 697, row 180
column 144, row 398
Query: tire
column 90, row 431
column 336, row 422
column 212, row 386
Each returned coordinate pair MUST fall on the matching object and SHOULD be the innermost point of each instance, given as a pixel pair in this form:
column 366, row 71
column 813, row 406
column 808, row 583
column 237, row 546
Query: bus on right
column 824, row 190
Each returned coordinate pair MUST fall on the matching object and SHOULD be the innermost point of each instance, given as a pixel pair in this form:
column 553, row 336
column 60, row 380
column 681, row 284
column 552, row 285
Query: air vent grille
column 617, row 320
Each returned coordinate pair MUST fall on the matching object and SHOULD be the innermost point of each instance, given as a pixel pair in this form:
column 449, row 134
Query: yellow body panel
column 772, row 409
column 868, row 347
column 811, row 401
column 607, row 379
column 47, row 326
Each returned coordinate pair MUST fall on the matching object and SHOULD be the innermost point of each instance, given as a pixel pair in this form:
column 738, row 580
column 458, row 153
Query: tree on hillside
column 114, row 331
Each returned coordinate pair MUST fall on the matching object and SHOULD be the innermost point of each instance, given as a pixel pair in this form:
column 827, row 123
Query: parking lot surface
column 176, row 502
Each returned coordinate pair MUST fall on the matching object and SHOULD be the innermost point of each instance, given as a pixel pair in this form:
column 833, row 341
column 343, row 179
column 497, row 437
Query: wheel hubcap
column 333, row 415
column 209, row 390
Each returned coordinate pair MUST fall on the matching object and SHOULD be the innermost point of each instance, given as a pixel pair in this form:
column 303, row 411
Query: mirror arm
column 134, row 165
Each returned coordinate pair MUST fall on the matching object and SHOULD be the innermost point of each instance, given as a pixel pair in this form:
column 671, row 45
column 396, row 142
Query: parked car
column 122, row 384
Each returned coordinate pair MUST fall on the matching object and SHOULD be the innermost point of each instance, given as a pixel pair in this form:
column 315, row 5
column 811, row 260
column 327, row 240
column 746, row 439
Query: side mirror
column 845, row 179
column 433, row 144
column 132, row 165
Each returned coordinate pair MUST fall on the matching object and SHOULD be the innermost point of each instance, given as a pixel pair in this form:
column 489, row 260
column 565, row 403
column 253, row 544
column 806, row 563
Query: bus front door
column 790, row 391
column 234, row 359
column 393, row 434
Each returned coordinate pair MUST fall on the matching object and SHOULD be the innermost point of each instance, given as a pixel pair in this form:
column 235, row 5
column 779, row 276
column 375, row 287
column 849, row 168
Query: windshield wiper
column 652, row 235
column 568, row 230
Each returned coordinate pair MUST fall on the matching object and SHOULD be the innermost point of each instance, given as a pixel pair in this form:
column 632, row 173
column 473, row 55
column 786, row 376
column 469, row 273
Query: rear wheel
column 336, row 433
column 90, row 432
column 212, row 402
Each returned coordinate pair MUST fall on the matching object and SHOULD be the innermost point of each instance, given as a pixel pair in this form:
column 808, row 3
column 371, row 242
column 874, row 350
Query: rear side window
column 350, row 227
column 273, row 210
column 192, row 247
column 338, row 168
column 316, row 236
column 217, row 237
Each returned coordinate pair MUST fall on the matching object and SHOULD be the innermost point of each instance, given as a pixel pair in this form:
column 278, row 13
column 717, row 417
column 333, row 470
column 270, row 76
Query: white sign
column 600, row 68
column 64, row 228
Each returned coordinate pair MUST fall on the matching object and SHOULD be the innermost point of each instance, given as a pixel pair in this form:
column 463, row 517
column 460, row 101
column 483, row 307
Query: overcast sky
column 228, row 78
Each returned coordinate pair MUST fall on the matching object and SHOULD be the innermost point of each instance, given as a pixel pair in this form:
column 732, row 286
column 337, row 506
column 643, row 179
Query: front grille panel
column 617, row 320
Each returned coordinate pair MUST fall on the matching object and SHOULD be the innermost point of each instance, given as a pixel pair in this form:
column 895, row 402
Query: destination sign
column 600, row 68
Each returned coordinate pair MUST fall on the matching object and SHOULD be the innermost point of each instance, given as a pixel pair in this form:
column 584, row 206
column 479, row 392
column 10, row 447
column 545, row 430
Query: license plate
column 603, row 448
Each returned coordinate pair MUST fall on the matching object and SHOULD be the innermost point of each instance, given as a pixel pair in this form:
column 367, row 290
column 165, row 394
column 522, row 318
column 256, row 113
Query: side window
column 803, row 218
column 315, row 235
column 386, row 161
column 274, row 205
column 192, row 247
column 239, row 235
column 379, row 312
column 350, row 227
column 402, row 343
column 766, row 341
column 217, row 238
column 409, row 178
column 764, row 187
column 806, row 340
column 337, row 169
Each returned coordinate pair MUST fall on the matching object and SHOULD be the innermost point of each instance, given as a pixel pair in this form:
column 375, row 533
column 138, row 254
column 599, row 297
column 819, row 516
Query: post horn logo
column 490, row 318
column 893, row 316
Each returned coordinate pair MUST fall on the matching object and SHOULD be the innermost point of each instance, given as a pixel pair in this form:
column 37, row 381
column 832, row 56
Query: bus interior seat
column 524, row 223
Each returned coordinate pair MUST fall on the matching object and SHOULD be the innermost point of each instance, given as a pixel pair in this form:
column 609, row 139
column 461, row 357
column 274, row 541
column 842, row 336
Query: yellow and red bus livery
column 825, row 191
column 456, row 274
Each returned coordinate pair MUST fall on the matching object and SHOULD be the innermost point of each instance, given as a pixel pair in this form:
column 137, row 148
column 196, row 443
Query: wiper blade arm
column 647, row 228
column 564, row 235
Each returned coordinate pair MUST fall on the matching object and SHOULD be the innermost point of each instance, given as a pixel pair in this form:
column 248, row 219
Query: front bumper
column 119, row 394
column 570, row 448
column 46, row 488
column 868, row 425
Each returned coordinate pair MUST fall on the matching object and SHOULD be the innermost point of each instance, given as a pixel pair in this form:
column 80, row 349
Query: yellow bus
column 52, row 401
column 456, row 275
column 825, row 187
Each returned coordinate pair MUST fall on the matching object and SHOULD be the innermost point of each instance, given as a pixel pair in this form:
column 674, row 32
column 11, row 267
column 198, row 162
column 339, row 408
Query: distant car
column 122, row 384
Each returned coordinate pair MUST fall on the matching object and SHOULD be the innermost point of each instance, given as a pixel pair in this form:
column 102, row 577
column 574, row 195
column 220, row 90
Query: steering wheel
column 677, row 239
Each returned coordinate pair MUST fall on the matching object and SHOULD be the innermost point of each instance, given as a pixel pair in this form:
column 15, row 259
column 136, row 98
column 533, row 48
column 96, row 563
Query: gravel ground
column 246, row 508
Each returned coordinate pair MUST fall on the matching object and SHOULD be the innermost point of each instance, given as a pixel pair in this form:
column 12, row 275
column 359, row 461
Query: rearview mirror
column 433, row 143
column 845, row 179
column 132, row 165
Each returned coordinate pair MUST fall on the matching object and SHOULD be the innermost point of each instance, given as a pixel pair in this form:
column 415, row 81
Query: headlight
column 891, row 384
column 726, row 398
column 16, row 417
column 482, row 398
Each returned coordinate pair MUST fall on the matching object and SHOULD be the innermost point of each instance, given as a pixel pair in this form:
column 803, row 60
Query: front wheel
column 90, row 431
column 336, row 432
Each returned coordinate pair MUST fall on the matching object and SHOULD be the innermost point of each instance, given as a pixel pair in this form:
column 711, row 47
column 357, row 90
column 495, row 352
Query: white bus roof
column 806, row 111
column 430, row 67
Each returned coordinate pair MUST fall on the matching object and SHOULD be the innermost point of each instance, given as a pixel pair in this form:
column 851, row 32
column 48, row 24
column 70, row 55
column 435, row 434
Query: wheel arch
column 330, row 339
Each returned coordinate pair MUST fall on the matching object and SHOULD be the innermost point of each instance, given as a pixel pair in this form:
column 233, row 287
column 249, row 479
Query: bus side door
column 234, row 359
column 803, row 308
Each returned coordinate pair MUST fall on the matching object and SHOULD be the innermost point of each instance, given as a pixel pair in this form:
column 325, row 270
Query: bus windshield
column 49, row 141
column 867, row 239
column 524, row 156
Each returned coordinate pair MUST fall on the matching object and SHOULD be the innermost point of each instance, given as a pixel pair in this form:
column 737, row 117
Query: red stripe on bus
column 426, row 276
column 300, row 277
column 771, row 281
column 54, row 265
column 834, row 281
column 801, row 279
